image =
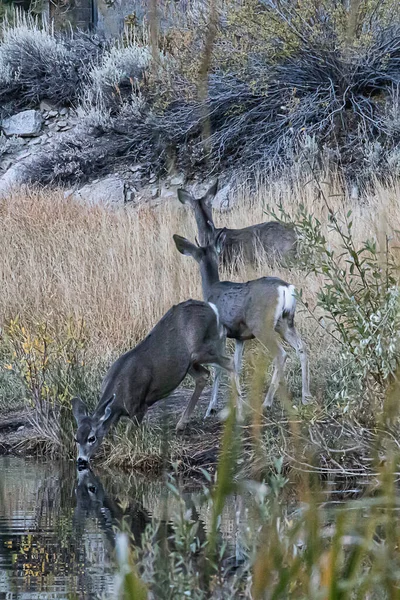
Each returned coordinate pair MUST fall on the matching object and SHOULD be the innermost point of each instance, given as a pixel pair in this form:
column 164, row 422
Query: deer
column 277, row 240
column 262, row 308
column 187, row 337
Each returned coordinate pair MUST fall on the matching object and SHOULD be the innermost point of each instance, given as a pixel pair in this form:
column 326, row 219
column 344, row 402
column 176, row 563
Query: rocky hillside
column 235, row 92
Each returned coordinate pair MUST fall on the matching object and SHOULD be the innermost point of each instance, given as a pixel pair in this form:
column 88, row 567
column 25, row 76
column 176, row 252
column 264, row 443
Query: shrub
column 117, row 77
column 130, row 137
column 321, row 101
column 36, row 63
column 52, row 369
column 360, row 302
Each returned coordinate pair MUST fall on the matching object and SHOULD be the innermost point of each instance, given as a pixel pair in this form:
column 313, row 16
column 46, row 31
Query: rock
column 23, row 155
column 21, row 427
column 52, row 113
column 46, row 106
column 6, row 164
column 177, row 180
column 65, row 128
column 153, row 178
column 130, row 196
column 64, row 112
column 224, row 200
column 166, row 193
column 14, row 176
column 355, row 192
column 135, row 168
column 34, row 141
column 54, row 127
column 62, row 123
column 108, row 191
column 27, row 123
column 154, row 192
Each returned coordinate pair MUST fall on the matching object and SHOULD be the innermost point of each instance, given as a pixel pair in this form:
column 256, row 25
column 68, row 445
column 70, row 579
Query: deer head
column 202, row 208
column 91, row 430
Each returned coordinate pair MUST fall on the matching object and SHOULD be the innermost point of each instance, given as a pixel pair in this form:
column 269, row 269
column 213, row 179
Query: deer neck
column 209, row 275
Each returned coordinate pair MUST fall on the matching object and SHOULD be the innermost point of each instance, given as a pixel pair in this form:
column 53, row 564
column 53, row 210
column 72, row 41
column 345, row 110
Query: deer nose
column 82, row 463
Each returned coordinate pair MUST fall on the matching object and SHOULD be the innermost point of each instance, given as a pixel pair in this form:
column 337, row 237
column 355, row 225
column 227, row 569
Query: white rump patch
column 290, row 299
column 221, row 328
column 286, row 301
column 215, row 309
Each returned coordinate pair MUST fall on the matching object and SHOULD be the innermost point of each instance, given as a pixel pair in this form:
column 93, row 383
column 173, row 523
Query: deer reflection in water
column 92, row 500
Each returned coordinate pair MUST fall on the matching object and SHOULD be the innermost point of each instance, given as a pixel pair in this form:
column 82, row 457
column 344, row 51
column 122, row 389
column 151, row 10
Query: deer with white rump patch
column 187, row 337
column 261, row 309
column 276, row 240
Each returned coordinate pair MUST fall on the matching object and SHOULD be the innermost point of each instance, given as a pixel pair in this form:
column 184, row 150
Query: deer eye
column 92, row 489
column 92, row 439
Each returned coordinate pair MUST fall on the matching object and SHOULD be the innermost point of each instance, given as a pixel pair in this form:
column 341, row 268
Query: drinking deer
column 277, row 240
column 259, row 309
column 187, row 337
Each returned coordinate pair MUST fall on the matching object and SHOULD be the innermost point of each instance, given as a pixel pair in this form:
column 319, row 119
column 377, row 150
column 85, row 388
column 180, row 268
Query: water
column 57, row 527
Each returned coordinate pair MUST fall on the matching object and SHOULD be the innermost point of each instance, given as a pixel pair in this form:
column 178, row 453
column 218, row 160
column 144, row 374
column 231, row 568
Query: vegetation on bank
column 314, row 87
column 235, row 88
column 82, row 284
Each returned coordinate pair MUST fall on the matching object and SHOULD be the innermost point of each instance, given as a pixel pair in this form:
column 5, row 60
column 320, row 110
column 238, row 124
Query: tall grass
column 118, row 272
column 317, row 551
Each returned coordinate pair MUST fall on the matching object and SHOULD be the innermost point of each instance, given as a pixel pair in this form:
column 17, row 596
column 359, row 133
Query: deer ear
column 185, row 197
column 107, row 409
column 210, row 194
column 185, row 247
column 220, row 241
column 79, row 409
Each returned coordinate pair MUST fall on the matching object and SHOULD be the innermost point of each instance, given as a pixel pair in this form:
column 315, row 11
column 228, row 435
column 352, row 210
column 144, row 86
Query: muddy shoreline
column 196, row 448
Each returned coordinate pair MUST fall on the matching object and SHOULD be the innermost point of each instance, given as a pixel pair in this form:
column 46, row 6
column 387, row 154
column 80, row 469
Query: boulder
column 27, row 123
column 13, row 177
column 46, row 105
column 177, row 180
column 223, row 200
column 109, row 191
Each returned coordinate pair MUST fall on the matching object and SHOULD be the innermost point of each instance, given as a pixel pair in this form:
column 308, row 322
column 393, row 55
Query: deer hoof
column 180, row 426
column 210, row 413
column 306, row 400
column 268, row 402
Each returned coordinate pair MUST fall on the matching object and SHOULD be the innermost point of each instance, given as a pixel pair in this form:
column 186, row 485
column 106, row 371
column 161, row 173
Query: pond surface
column 57, row 526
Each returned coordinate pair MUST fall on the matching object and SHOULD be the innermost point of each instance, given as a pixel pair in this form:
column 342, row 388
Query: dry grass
column 120, row 271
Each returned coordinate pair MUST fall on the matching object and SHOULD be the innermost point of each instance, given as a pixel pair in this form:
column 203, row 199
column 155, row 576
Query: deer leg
column 292, row 337
column 217, row 379
column 279, row 364
column 237, row 361
column 199, row 374
column 214, row 393
column 226, row 363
